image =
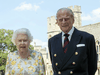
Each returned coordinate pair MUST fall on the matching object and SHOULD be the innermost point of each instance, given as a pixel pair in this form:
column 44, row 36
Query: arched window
column 49, row 36
column 50, row 24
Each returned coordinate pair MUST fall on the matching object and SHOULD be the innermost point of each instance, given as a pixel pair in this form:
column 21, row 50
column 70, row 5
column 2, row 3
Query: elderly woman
column 24, row 61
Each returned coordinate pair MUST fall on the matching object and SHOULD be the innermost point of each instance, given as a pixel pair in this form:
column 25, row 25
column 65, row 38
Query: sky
column 33, row 14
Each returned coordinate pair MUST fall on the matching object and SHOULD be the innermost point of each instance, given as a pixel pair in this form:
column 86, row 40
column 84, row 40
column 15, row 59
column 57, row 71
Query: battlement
column 75, row 8
column 50, row 18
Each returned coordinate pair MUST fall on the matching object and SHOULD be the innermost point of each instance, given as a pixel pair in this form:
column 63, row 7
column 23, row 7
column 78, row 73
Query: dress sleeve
column 41, row 65
column 7, row 69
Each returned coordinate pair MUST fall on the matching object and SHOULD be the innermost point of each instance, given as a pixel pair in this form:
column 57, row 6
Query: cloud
column 39, row 43
column 24, row 6
column 41, row 2
column 88, row 17
column 96, row 12
column 36, row 7
column 93, row 16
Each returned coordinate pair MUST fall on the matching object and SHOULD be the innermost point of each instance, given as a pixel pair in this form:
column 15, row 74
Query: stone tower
column 77, row 15
column 54, row 29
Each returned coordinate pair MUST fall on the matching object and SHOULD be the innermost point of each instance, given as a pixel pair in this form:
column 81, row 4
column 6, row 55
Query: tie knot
column 66, row 35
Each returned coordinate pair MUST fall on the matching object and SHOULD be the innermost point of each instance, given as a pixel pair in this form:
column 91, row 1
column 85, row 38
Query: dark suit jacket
column 77, row 60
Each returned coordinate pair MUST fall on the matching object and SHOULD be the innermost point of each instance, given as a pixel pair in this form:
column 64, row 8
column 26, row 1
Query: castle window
column 50, row 24
column 97, row 53
column 99, row 48
column 47, row 55
column 98, row 42
column 49, row 36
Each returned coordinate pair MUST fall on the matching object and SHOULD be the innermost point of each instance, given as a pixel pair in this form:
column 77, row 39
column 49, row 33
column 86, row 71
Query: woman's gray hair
column 63, row 9
column 22, row 31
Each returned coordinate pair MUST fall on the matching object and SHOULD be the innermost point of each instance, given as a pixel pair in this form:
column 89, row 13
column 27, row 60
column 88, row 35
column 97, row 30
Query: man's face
column 65, row 20
column 22, row 42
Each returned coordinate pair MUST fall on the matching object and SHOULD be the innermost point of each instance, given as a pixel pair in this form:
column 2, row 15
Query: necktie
column 66, row 41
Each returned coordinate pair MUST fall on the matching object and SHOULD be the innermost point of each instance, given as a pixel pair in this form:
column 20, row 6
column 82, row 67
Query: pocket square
column 80, row 45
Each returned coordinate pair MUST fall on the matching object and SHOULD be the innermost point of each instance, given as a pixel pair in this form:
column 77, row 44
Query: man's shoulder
column 84, row 33
column 55, row 36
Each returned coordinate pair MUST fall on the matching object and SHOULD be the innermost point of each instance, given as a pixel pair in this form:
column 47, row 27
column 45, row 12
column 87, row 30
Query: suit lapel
column 58, row 46
column 72, row 46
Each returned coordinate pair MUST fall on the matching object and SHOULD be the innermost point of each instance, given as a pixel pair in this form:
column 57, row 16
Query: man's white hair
column 63, row 9
column 22, row 31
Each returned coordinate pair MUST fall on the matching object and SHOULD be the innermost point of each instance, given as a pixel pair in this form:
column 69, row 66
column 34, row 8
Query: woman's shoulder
column 12, row 53
column 34, row 52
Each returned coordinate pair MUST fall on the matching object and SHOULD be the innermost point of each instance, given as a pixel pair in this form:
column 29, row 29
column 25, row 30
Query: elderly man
column 72, row 51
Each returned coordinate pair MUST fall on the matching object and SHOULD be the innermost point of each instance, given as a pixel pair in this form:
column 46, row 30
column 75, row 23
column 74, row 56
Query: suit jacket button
column 73, row 63
column 59, row 72
column 76, row 53
column 56, row 64
column 71, row 72
column 55, row 55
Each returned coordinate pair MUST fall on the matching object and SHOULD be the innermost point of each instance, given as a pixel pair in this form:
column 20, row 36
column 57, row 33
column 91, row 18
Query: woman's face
column 22, row 42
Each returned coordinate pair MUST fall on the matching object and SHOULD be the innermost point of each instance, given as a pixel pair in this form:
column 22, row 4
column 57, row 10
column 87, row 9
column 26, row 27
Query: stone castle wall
column 93, row 29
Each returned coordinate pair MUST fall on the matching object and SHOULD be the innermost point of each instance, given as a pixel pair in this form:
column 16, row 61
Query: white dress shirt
column 69, row 37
